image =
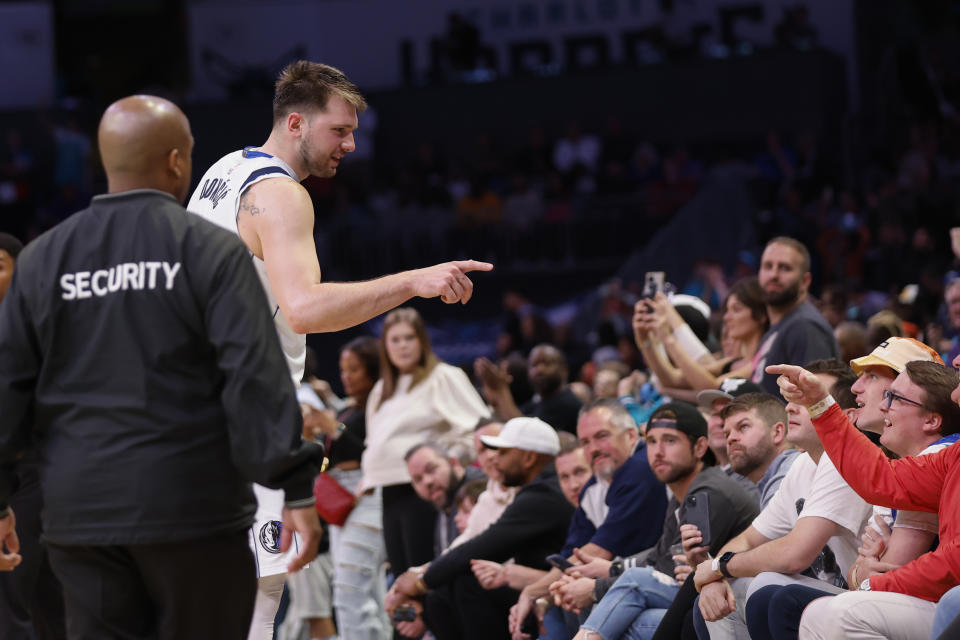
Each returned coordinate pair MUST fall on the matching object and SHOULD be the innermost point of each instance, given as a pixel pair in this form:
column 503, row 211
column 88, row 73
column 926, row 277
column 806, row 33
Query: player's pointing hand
column 448, row 280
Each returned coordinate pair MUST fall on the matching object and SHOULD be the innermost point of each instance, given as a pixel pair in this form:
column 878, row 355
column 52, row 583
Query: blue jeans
column 554, row 626
column 947, row 609
column 358, row 553
column 699, row 624
column 633, row 607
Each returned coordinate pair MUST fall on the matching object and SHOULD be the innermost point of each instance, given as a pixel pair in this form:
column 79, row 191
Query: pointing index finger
column 789, row 370
column 473, row 265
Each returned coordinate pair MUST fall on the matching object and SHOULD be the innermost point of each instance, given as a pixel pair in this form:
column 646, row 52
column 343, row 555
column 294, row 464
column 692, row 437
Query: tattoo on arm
column 247, row 204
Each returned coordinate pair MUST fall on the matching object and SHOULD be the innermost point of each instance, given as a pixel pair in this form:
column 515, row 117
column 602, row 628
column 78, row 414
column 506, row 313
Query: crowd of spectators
column 769, row 512
column 614, row 456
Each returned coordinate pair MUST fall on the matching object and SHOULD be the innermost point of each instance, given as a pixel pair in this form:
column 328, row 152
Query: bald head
column 145, row 143
column 547, row 369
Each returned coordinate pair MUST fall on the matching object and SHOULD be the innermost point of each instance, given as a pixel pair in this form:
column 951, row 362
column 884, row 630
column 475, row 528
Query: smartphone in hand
column 559, row 561
column 696, row 510
column 404, row 613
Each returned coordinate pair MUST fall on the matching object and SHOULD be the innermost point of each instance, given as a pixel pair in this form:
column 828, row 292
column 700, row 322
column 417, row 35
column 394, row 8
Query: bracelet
column 818, row 409
column 853, row 572
column 422, row 586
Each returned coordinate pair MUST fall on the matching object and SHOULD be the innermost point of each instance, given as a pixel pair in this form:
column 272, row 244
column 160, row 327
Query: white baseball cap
column 529, row 434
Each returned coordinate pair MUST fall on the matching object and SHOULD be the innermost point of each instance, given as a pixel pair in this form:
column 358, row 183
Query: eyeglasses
column 890, row 396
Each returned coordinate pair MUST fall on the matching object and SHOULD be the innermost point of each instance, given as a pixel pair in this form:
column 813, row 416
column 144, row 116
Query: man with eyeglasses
column 877, row 371
column 806, row 534
column 916, row 413
column 896, row 596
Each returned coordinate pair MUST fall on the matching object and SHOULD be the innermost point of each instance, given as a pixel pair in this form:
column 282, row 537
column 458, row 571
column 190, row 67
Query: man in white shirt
column 811, row 526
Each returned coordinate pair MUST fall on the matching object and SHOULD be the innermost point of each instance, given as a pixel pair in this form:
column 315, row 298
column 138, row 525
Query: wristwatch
column 616, row 568
column 720, row 564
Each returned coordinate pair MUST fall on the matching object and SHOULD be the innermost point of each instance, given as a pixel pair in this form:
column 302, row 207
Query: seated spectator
column 899, row 600
column 714, row 400
column 573, row 469
column 876, row 372
column 776, row 610
column 453, row 604
column 466, row 500
column 436, row 477
column 797, row 333
column 615, row 514
column 657, row 324
column 636, row 601
column 755, row 426
column 806, row 534
column 608, row 377
column 490, row 504
column 553, row 401
column 573, row 472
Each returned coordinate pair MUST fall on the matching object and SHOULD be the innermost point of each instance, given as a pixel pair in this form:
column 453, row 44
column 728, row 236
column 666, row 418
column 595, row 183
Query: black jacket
column 138, row 353
column 532, row 527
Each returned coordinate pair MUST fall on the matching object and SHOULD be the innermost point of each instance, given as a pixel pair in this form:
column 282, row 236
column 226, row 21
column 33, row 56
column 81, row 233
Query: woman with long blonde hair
column 417, row 399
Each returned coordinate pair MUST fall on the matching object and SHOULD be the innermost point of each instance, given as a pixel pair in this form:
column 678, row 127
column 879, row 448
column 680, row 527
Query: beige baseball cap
column 896, row 353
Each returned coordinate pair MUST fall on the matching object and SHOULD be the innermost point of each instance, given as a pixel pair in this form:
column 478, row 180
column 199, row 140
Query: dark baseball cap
column 681, row 416
column 729, row 389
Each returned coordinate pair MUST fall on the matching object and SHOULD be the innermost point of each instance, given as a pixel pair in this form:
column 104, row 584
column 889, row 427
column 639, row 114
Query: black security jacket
column 138, row 354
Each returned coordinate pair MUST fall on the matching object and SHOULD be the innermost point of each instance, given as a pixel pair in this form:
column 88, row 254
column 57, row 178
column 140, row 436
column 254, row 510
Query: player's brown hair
column 309, row 85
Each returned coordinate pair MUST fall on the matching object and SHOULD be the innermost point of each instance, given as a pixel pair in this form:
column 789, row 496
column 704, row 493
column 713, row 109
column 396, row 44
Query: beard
column 677, row 472
column 316, row 165
column 450, row 491
column 747, row 461
column 789, row 295
column 547, row 386
column 512, row 478
column 604, row 469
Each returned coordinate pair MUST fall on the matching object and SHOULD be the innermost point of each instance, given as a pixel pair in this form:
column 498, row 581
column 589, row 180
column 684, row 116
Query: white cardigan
column 443, row 409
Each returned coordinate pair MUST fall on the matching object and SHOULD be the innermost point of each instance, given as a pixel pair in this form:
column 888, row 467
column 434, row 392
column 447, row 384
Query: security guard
column 136, row 349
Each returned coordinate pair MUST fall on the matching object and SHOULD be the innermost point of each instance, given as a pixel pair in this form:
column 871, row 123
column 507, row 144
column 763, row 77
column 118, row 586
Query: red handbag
column 334, row 503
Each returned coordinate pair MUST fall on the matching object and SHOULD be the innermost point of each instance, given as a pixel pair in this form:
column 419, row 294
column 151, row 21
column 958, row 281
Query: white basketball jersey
column 217, row 198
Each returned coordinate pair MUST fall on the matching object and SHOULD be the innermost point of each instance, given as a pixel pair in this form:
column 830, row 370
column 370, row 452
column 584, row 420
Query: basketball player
column 256, row 193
